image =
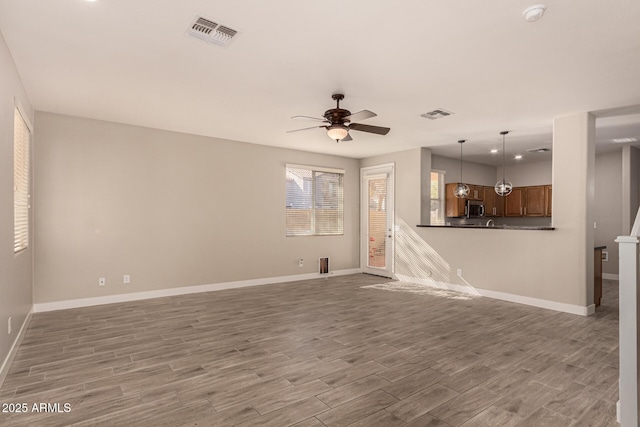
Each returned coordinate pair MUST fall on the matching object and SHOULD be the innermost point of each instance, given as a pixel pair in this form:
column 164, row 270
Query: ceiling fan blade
column 346, row 138
column 360, row 115
column 298, row 130
column 308, row 118
column 368, row 128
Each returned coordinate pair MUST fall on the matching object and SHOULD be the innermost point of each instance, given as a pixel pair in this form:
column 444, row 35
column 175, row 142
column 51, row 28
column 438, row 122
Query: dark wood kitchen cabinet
column 514, row 202
column 476, row 192
column 493, row 204
column 548, row 192
column 534, row 201
column 454, row 207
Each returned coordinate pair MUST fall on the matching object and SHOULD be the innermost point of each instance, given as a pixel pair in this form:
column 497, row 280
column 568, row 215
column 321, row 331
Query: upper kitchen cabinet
column 548, row 191
column 514, row 202
column 454, row 206
column 476, row 192
column 494, row 204
column 534, row 201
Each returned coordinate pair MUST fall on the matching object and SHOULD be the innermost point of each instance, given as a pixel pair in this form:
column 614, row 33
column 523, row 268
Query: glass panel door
column 377, row 189
column 377, row 220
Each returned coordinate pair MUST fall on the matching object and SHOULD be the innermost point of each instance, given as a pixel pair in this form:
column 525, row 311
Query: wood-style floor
column 321, row 352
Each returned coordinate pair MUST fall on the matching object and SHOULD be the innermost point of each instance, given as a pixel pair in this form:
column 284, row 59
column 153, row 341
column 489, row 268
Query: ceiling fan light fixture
column 337, row 132
column 533, row 13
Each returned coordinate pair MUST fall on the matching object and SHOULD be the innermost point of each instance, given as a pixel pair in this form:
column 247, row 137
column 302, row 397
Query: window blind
column 21, row 137
column 314, row 201
column 437, row 197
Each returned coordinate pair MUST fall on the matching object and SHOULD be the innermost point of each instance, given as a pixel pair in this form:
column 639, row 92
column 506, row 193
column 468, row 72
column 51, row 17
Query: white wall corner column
column 629, row 313
column 573, row 196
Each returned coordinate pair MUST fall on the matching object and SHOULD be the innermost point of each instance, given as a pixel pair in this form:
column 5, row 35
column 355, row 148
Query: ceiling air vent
column 436, row 114
column 539, row 150
column 211, row 32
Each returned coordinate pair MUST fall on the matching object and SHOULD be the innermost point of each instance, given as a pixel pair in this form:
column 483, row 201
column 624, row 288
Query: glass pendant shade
column 461, row 190
column 503, row 188
column 337, row 132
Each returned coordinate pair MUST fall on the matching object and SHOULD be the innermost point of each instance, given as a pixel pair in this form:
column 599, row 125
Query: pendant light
column 503, row 188
column 461, row 190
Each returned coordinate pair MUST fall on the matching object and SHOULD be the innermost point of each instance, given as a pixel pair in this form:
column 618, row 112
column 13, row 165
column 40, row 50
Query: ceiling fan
column 338, row 122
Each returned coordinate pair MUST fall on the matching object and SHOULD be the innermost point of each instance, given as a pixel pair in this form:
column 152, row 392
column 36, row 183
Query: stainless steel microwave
column 474, row 209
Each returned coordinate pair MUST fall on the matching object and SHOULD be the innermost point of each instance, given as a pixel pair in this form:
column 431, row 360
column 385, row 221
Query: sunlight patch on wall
column 417, row 262
column 415, row 258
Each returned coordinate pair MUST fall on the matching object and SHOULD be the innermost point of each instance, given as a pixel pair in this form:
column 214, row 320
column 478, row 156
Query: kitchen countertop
column 495, row 227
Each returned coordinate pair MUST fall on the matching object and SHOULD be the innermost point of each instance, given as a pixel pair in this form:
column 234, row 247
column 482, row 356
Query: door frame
column 389, row 170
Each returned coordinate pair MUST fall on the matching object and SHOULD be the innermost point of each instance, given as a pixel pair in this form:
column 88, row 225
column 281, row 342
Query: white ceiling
column 130, row 61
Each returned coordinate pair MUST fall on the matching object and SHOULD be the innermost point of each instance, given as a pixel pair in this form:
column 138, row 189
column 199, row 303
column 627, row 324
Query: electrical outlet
column 126, row 279
column 9, row 326
column 300, row 262
column 460, row 272
column 102, row 281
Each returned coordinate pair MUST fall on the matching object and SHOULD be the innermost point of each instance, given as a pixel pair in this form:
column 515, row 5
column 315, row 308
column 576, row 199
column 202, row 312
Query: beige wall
column 527, row 174
column 608, row 206
column 15, row 269
column 169, row 209
column 472, row 173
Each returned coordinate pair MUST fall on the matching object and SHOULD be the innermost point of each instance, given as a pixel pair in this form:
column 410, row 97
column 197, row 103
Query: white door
column 377, row 210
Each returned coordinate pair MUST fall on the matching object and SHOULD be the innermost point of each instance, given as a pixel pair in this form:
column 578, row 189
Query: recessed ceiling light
column 518, row 156
column 494, row 151
column 623, row 140
column 533, row 13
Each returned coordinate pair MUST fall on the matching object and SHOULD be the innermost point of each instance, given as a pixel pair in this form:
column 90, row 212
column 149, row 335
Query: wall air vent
column 211, row 32
column 436, row 114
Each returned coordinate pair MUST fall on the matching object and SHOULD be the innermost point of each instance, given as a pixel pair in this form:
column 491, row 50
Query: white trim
column 618, row 411
column 315, row 168
column 4, row 369
column 23, row 113
column 535, row 302
column 610, row 276
column 378, row 176
column 110, row 299
column 366, row 169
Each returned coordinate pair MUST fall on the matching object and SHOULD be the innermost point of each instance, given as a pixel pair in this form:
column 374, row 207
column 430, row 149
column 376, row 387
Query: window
column 314, row 201
column 21, row 136
column 437, row 197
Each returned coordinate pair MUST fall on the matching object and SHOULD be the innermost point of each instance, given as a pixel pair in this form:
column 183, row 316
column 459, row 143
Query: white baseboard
column 610, row 276
column 135, row 296
column 535, row 302
column 4, row 369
